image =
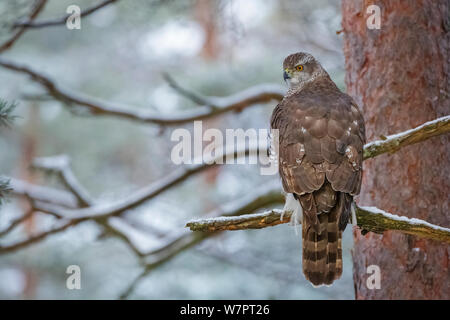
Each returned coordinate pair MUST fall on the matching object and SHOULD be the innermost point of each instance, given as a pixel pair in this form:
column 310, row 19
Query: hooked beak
column 286, row 76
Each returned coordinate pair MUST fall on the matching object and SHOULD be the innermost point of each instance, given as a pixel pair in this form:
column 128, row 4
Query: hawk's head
column 300, row 68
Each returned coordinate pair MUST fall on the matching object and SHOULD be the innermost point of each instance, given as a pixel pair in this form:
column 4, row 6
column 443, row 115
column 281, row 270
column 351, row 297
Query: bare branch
column 217, row 105
column 62, row 20
column 395, row 142
column 35, row 12
column 369, row 218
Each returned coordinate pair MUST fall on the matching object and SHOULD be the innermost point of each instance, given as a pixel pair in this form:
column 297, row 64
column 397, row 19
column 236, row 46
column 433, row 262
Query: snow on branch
column 40, row 4
column 394, row 142
column 214, row 105
column 369, row 218
column 378, row 221
column 263, row 197
column 42, row 194
column 102, row 211
column 61, row 166
column 247, row 221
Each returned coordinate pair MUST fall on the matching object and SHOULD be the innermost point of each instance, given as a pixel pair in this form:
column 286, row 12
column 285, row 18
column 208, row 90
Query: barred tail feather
column 322, row 235
column 322, row 251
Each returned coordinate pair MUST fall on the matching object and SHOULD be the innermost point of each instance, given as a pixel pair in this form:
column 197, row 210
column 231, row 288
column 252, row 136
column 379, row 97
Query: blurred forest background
column 214, row 48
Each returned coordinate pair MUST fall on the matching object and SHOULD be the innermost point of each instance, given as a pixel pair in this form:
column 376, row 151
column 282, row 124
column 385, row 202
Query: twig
column 61, row 165
column 258, row 94
column 62, row 20
column 198, row 99
column 16, row 222
column 43, row 194
column 35, row 239
column 35, row 12
column 113, row 231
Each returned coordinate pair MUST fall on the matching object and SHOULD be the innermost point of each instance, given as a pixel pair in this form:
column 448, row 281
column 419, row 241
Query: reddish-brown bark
column 399, row 76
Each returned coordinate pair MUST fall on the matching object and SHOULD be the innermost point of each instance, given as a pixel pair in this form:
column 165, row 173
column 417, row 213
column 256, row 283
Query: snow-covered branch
column 61, row 166
column 247, row 221
column 215, row 105
column 20, row 30
column 57, row 197
column 265, row 196
column 101, row 211
column 378, row 221
column 395, row 142
column 369, row 219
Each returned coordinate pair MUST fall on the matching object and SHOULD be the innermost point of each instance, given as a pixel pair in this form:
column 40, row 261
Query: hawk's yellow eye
column 299, row 67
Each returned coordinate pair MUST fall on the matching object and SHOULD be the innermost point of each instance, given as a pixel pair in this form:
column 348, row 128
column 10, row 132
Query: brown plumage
column 321, row 139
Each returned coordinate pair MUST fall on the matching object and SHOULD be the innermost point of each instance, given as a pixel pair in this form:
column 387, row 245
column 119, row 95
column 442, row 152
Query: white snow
column 234, row 218
column 407, row 132
column 415, row 221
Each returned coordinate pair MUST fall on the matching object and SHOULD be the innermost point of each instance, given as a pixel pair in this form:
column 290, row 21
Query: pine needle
column 6, row 110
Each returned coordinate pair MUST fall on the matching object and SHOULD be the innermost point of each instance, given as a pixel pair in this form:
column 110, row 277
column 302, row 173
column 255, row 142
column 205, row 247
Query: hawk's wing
column 321, row 135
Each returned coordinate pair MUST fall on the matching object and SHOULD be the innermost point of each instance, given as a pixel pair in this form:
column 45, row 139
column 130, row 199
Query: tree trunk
column 206, row 14
column 399, row 76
